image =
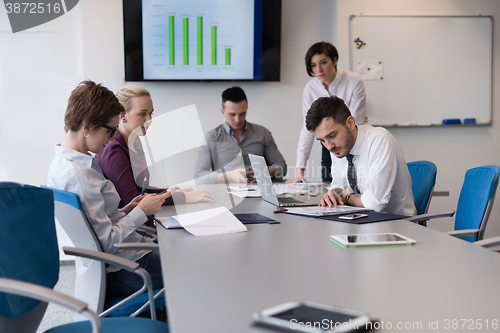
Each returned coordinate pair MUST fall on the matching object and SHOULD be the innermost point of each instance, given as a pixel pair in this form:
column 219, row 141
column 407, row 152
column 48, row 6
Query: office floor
column 57, row 315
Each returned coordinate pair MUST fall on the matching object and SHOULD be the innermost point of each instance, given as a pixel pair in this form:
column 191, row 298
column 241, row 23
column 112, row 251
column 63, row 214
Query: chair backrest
column 476, row 199
column 423, row 177
column 28, row 251
column 90, row 282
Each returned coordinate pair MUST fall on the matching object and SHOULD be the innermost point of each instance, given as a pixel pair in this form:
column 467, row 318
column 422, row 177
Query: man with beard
column 369, row 169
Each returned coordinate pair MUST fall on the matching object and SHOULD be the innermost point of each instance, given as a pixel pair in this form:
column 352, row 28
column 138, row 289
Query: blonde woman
column 121, row 157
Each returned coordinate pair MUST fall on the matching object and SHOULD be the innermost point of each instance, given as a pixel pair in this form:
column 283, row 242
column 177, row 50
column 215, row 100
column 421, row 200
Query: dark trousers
column 326, row 165
column 123, row 283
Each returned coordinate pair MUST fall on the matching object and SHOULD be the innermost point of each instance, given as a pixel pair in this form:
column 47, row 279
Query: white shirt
column 381, row 171
column 79, row 173
column 347, row 85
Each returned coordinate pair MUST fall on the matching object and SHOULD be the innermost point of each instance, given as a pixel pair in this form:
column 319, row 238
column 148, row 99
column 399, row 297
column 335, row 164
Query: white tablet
column 313, row 317
column 371, row 239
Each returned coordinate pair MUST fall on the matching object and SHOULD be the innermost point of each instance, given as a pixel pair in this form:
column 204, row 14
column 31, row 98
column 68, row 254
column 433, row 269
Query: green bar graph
column 200, row 40
column 171, row 40
column 185, row 30
column 228, row 56
column 214, row 45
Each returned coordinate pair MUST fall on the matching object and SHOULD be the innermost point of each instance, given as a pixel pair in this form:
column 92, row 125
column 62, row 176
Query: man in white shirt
column 376, row 177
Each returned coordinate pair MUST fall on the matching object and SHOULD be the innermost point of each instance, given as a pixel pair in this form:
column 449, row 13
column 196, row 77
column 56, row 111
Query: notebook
column 268, row 193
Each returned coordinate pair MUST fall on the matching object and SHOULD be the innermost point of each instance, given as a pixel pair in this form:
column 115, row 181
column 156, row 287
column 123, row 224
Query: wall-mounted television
column 207, row 40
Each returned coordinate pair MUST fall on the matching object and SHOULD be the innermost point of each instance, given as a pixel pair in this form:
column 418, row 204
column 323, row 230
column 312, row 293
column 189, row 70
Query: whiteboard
column 419, row 70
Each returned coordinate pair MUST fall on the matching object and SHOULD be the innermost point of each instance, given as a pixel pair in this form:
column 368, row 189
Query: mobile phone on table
column 301, row 316
column 352, row 216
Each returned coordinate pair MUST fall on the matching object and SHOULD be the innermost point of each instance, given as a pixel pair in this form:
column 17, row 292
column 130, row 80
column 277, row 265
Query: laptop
column 265, row 184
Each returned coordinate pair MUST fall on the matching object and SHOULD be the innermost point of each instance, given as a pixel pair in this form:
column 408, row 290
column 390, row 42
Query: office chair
column 423, row 178
column 474, row 204
column 489, row 242
column 29, row 267
column 90, row 283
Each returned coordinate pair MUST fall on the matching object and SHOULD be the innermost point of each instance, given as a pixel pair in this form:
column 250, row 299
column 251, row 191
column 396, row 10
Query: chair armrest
column 136, row 246
column 48, row 295
column 147, row 229
column 463, row 233
column 489, row 242
column 429, row 216
column 107, row 258
column 122, row 263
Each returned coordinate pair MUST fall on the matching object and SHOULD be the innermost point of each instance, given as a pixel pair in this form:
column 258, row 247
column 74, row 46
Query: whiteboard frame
column 351, row 62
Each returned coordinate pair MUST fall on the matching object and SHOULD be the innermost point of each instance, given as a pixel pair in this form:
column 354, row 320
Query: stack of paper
column 325, row 211
column 244, row 191
column 213, row 221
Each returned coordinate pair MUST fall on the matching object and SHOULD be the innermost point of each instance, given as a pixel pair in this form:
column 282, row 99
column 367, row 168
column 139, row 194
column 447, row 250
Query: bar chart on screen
column 185, row 39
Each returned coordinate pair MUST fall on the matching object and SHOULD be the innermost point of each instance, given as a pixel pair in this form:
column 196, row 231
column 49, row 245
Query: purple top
column 116, row 164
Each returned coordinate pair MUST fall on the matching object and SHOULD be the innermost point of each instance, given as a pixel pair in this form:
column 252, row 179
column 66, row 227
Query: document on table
column 213, row 221
column 297, row 188
column 249, row 191
column 317, row 211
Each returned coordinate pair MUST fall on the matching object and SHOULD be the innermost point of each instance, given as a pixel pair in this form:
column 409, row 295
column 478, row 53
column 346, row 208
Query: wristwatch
column 346, row 198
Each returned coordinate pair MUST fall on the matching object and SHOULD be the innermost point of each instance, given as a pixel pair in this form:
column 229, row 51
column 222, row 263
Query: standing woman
column 321, row 63
column 123, row 160
column 91, row 120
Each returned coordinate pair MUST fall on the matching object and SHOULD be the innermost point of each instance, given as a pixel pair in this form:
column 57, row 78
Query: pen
column 280, row 211
column 144, row 186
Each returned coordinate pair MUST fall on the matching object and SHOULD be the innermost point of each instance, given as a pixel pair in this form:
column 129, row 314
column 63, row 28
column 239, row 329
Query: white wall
column 453, row 150
column 40, row 67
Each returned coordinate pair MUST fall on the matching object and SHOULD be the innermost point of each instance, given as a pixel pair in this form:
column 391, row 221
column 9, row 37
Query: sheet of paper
column 370, row 70
column 213, row 221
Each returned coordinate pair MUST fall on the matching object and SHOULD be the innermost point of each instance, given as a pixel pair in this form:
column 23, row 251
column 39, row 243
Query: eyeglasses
column 111, row 129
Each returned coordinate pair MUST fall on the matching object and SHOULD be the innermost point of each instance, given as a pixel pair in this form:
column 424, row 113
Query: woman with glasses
column 91, row 120
column 123, row 160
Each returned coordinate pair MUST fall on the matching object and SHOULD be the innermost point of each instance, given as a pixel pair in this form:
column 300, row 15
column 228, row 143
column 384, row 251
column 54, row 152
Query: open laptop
column 265, row 184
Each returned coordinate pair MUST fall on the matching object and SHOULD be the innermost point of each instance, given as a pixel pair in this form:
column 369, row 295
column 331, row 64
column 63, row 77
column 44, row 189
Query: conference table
column 215, row 283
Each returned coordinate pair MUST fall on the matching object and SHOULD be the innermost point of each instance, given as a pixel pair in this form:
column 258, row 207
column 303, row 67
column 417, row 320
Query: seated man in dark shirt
column 225, row 156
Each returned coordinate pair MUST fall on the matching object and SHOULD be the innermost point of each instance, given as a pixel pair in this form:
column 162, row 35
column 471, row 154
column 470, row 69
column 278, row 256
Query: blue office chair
column 29, row 268
column 90, row 283
column 423, row 177
column 474, row 204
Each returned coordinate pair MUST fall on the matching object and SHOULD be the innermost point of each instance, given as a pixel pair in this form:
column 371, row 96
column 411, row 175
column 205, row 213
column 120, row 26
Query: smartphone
column 170, row 189
column 352, row 216
column 300, row 316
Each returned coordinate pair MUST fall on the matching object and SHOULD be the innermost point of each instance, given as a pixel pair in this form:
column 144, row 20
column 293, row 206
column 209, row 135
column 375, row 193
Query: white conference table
column 215, row 283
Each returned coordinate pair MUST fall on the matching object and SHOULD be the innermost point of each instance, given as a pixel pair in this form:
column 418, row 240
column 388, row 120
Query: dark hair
column 327, row 107
column 233, row 94
column 320, row 48
column 90, row 104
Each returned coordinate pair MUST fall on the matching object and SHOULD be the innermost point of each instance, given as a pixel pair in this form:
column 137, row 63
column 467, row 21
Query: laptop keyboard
column 288, row 200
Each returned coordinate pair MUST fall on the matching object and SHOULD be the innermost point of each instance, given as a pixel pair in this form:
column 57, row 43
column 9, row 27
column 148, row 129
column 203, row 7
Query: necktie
column 351, row 174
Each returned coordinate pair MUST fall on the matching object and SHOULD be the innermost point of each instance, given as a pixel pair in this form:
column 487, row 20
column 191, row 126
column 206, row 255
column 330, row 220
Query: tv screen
column 202, row 40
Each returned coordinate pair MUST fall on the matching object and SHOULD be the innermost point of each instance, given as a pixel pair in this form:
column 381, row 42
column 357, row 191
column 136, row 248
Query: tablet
column 371, row 239
column 299, row 316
